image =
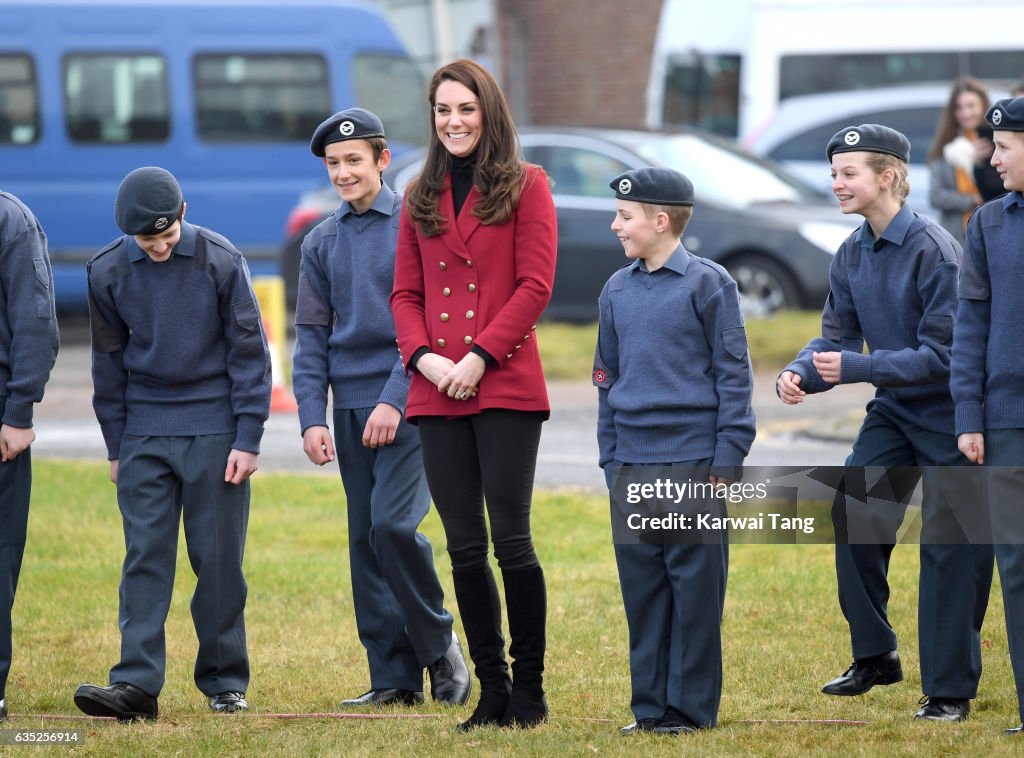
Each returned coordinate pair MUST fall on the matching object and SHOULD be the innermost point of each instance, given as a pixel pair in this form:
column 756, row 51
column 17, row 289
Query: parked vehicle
column 774, row 233
column 796, row 135
column 727, row 65
column 224, row 93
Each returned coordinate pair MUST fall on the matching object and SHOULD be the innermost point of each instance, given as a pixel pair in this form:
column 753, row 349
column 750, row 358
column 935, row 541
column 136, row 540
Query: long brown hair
column 498, row 172
column 948, row 128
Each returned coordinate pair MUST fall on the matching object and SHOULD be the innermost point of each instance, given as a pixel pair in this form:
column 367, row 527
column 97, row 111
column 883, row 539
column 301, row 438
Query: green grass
column 567, row 350
column 784, row 636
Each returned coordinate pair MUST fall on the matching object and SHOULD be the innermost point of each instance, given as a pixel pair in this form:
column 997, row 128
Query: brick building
column 576, row 62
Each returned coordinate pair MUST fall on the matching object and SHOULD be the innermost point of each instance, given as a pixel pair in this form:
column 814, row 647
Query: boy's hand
column 461, row 381
column 318, row 445
column 241, row 465
column 716, row 480
column 434, row 367
column 113, row 471
column 381, row 426
column 788, row 388
column 972, row 445
column 829, row 365
column 14, row 441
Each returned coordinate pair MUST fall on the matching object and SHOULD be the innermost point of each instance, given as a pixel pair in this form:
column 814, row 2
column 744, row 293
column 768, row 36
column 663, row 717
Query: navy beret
column 354, row 123
column 1007, row 115
column 657, row 186
column 869, row 138
column 148, row 201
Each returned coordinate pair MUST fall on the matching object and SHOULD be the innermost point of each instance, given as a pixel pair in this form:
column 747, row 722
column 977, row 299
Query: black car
column 775, row 234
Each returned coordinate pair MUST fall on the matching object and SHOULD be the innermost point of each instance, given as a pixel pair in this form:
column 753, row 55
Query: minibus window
column 260, row 98
column 703, row 90
column 19, row 101
column 116, row 98
column 394, row 89
column 809, row 74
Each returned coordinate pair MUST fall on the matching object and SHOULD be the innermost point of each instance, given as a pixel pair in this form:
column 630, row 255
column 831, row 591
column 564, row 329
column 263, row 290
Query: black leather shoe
column 450, row 682
column 641, row 725
column 121, row 700
column 1015, row 730
column 229, row 702
column 3, row 709
column 943, row 709
column 674, row 722
column 380, row 698
column 865, row 674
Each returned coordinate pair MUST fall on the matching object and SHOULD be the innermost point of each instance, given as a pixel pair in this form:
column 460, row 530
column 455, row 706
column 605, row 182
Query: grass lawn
column 784, row 636
column 567, row 350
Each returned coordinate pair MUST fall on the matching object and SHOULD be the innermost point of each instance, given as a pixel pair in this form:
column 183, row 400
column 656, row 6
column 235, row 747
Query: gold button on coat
column 469, row 340
column 444, row 266
column 447, row 291
column 471, row 288
column 469, row 264
column 444, row 316
column 441, row 342
column 469, row 314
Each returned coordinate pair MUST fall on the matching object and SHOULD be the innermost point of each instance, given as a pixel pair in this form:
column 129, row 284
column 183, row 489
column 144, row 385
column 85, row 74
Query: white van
column 725, row 66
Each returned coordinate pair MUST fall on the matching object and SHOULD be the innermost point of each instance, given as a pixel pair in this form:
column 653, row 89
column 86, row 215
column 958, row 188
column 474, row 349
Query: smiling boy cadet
column 28, row 349
column 345, row 338
column 988, row 366
column 674, row 389
column 182, row 390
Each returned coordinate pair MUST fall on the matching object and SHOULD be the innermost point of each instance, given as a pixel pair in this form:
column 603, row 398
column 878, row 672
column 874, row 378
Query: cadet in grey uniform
column 345, row 338
column 894, row 287
column 674, row 392
column 182, row 390
column 28, row 349
column 987, row 374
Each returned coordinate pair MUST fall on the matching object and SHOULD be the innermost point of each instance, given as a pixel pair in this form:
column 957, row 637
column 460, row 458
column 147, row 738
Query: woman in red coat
column 473, row 273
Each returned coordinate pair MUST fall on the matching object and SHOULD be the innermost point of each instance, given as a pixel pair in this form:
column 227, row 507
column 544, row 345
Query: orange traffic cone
column 270, row 292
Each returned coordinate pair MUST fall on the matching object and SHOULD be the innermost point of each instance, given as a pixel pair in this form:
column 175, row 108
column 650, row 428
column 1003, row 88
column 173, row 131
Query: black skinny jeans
column 490, row 456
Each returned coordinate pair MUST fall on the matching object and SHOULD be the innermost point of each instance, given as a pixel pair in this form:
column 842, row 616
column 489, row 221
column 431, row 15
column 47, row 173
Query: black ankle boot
column 480, row 608
column 526, row 598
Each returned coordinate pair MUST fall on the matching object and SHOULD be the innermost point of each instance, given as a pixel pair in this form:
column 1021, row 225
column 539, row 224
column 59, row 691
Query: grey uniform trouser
column 399, row 603
column 162, row 480
column 15, row 488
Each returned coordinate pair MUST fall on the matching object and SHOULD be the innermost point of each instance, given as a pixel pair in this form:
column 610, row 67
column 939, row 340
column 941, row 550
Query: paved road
column 818, row 432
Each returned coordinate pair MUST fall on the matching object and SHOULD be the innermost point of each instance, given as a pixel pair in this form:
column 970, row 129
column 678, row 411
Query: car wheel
column 291, row 257
column 764, row 285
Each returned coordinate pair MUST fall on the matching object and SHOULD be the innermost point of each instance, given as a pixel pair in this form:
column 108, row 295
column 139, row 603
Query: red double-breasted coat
column 478, row 284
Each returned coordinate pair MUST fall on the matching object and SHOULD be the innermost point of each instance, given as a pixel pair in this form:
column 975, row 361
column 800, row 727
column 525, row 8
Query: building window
column 703, row 91
column 19, row 101
column 116, row 98
column 260, row 98
column 393, row 88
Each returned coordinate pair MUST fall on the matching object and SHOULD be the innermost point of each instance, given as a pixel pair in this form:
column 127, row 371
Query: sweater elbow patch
column 42, row 288
column 735, row 341
column 248, row 320
column 309, row 308
column 939, row 327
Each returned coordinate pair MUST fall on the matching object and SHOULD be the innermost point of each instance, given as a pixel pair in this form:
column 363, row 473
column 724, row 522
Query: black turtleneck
column 462, row 180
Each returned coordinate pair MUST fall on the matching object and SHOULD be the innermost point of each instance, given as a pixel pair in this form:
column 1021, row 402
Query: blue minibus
column 223, row 94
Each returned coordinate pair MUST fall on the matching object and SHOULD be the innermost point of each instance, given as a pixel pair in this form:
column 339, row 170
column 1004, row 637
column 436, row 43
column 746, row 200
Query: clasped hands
column 457, row 380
